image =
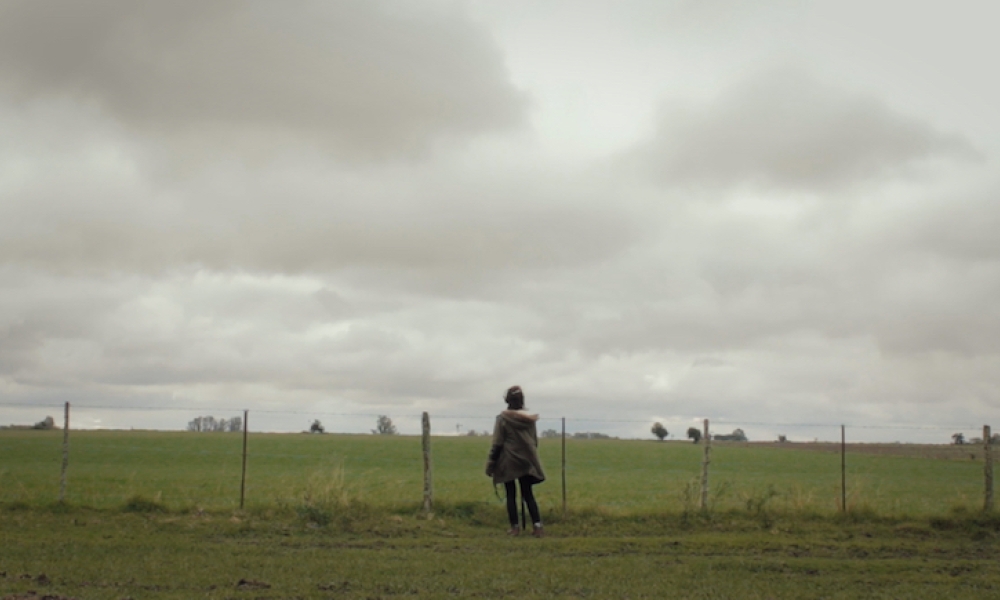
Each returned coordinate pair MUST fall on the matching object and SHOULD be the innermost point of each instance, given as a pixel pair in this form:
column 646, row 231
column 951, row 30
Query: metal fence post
column 987, row 469
column 564, row 464
column 843, row 470
column 65, row 460
column 706, row 459
column 243, row 476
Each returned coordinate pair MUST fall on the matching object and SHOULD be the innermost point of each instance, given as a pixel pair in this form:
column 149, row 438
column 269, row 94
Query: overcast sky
column 772, row 214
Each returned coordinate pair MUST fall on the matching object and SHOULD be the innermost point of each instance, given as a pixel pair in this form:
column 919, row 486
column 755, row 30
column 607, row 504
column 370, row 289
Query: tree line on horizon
column 694, row 434
column 210, row 423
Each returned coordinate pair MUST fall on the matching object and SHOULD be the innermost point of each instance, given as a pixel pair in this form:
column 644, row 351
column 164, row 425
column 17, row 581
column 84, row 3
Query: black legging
column 527, row 495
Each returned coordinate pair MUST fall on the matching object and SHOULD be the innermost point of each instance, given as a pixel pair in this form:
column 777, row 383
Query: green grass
column 112, row 554
column 155, row 515
column 188, row 471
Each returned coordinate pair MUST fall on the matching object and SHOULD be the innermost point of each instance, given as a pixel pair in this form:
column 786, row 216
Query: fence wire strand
column 578, row 420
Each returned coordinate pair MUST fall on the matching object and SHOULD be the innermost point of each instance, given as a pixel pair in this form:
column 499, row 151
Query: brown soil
column 250, row 584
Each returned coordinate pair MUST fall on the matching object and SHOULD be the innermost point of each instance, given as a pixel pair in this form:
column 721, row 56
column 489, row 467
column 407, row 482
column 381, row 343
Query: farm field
column 155, row 515
column 112, row 554
column 182, row 470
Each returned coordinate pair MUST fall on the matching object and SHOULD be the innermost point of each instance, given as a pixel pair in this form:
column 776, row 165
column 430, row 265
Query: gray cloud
column 268, row 337
column 18, row 347
column 423, row 234
column 80, row 196
column 363, row 79
column 783, row 129
column 962, row 228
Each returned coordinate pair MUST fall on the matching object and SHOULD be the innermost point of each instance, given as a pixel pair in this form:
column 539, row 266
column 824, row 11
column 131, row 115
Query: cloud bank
column 364, row 80
column 383, row 208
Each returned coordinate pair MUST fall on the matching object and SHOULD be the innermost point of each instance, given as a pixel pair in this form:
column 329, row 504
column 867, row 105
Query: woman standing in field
column 514, row 458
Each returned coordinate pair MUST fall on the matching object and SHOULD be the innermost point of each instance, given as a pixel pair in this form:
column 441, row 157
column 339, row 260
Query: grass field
column 155, row 515
column 70, row 552
column 186, row 471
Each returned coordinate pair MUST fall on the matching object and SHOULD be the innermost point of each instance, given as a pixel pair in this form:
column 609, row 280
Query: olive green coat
column 515, row 448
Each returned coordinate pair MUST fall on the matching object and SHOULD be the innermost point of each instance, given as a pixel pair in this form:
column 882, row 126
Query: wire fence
column 177, row 417
column 707, row 470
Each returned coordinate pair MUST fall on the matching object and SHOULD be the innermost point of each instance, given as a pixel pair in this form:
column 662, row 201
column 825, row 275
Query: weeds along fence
column 244, row 467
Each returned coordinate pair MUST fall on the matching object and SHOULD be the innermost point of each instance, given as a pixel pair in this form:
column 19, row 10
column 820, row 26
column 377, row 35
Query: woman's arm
column 496, row 448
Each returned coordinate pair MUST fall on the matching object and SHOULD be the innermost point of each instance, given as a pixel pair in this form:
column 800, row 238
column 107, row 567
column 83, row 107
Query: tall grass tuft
column 326, row 496
column 140, row 504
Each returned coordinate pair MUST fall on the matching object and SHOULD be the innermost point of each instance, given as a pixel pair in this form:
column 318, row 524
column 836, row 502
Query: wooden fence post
column 987, row 469
column 65, row 460
column 704, row 467
column 428, row 489
column 243, row 476
column 564, row 464
column 843, row 470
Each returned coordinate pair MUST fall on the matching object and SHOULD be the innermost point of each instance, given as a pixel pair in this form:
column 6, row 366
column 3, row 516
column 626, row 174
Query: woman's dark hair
column 514, row 398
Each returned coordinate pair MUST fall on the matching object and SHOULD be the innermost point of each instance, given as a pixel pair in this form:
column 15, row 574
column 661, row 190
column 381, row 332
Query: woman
column 514, row 458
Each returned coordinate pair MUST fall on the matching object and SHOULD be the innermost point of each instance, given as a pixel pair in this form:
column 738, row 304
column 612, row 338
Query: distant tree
column 550, row 433
column 694, row 434
column 659, row 430
column 471, row 433
column 384, row 426
column 736, row 436
column 46, row 423
column 782, row 439
column 958, row 439
column 210, row 423
column 316, row 427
